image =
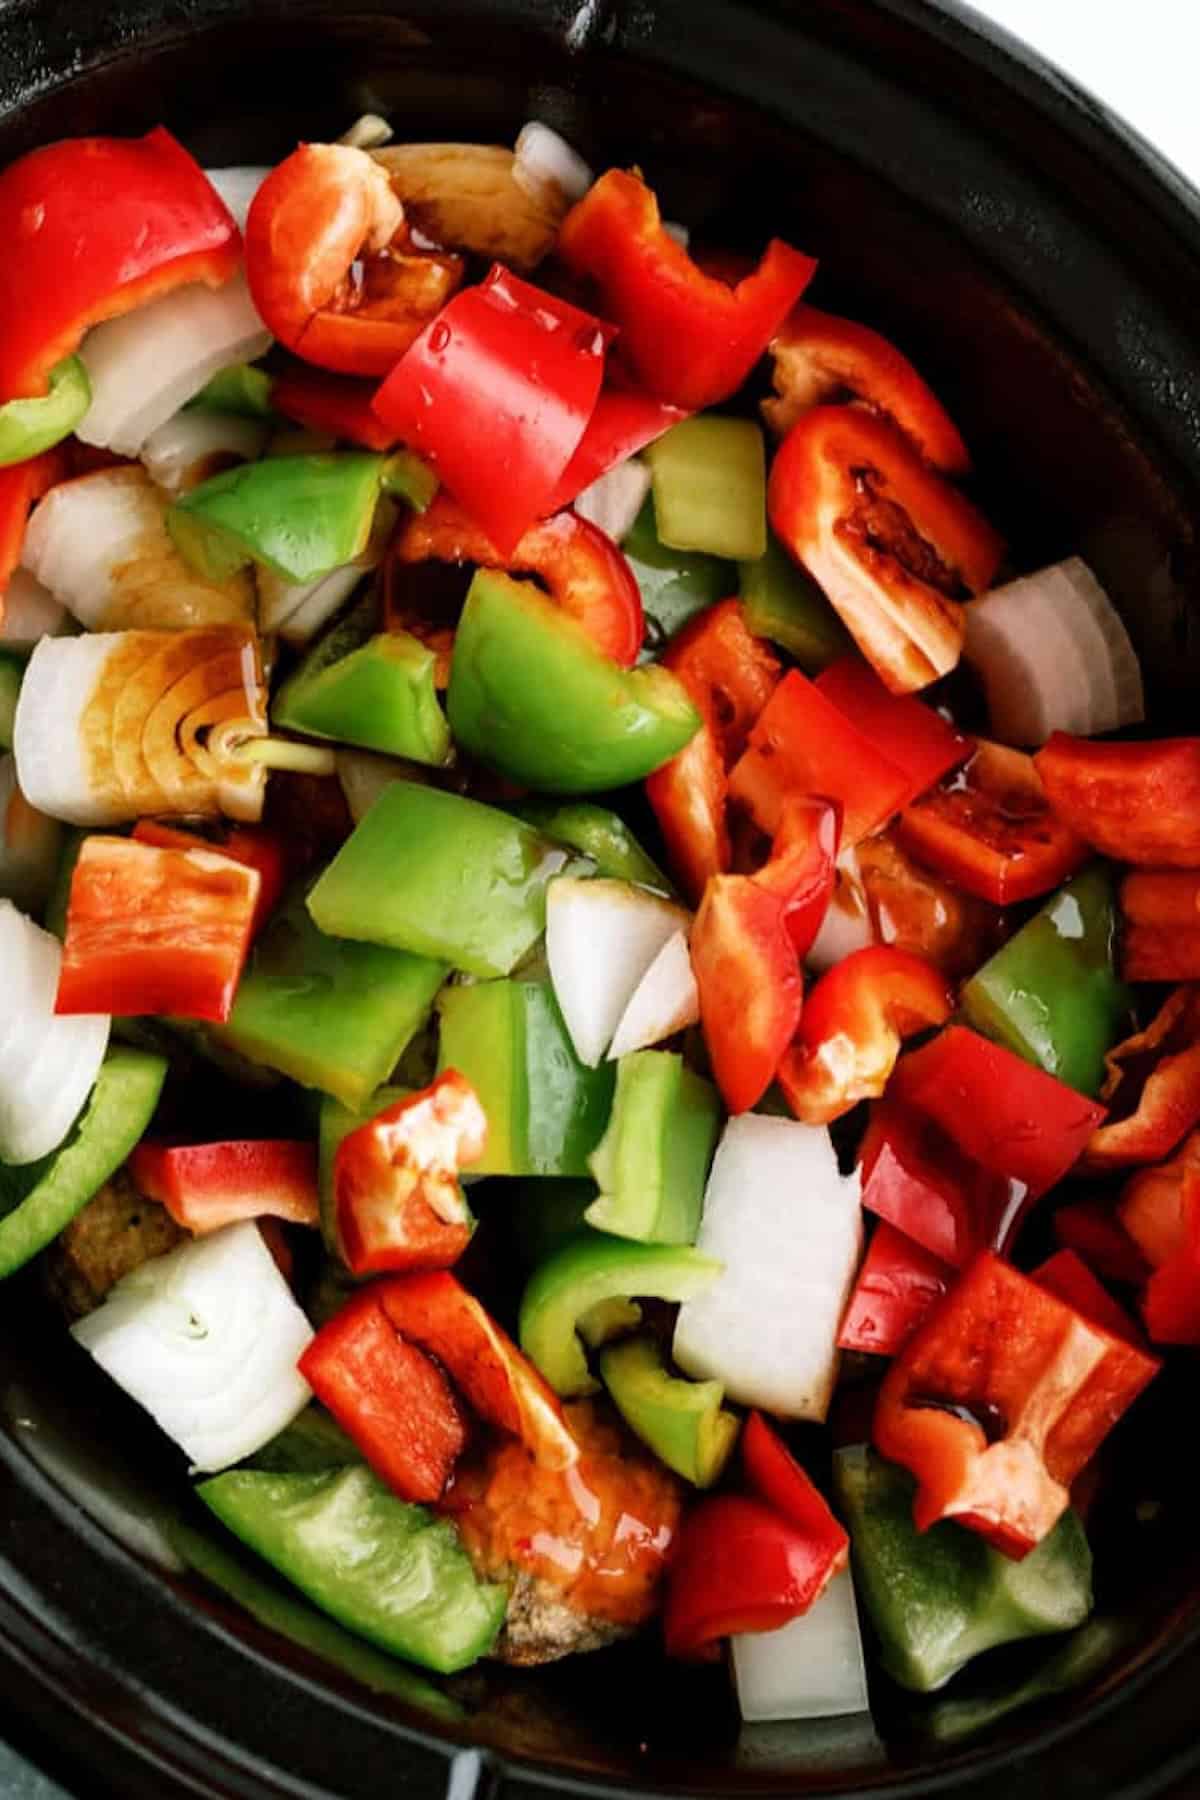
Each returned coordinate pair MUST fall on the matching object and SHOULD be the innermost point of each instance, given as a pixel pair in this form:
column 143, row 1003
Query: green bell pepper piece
column 299, row 516
column 599, row 833
column 12, row 668
column 588, row 1270
column 434, row 873
column 545, row 1111
column 1052, row 992
column 531, row 695
column 27, row 427
column 675, row 584
column 333, row 1015
column 243, row 390
column 710, row 486
column 389, row 1571
column 312, row 1444
column 652, row 1162
column 683, row 1422
column 938, row 1598
column 39, row 1199
column 781, row 601
column 334, row 1122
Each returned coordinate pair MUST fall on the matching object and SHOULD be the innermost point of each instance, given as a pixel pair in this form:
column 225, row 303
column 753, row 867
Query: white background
column 1142, row 57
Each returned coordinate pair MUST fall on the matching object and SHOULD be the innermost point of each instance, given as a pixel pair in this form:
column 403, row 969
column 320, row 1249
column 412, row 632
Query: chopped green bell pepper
column 336, row 1121
column 652, row 1162
column 781, row 601
column 243, row 390
column 12, row 668
column 392, row 1572
column 683, row 1422
column 39, row 1199
column 938, row 1598
column 434, row 873
column 675, row 584
column 1052, row 992
column 331, row 1014
column 599, row 833
column 313, row 1443
column 710, row 486
column 27, row 427
column 545, row 1111
column 587, row 1271
column 531, row 695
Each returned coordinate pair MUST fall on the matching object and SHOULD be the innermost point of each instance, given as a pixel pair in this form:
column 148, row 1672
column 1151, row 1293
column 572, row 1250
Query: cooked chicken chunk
column 115, row 1233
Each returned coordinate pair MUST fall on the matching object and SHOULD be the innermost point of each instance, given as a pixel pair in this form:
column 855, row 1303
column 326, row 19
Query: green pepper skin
column 652, row 1163
column 442, row 876
column 389, row 1571
column 27, row 427
column 781, row 601
column 587, row 1271
column 675, row 584
column 243, row 390
column 12, row 668
column 336, row 1121
column 1052, row 992
column 938, row 1598
column 331, row 1014
column 546, row 1112
column 299, row 516
column 38, row 1200
column 531, row 695
column 710, row 486
column 312, row 1444
column 683, row 1422
column 600, row 834
column 378, row 695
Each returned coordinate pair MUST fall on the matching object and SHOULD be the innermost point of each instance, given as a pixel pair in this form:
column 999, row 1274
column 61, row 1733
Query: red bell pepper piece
column 94, row 227
column 897, row 1285
column 918, row 911
column 907, row 732
column 1150, row 1209
column 776, row 1478
column 804, row 744
column 1068, row 1276
column 155, row 931
column 853, row 1024
column 397, row 1199
column 729, row 675
column 496, row 393
column 1098, row 1237
column 582, row 569
column 819, row 357
column 1160, row 925
column 894, row 546
column 246, row 844
column 991, row 830
column 690, row 337
column 1139, row 803
column 1152, row 1086
column 1171, row 1302
column 436, row 1312
column 738, row 1566
column 21, row 484
column 625, row 420
column 998, row 1400
column 337, row 404
column 206, row 1186
column 331, row 263
column 917, row 1179
column 392, row 1399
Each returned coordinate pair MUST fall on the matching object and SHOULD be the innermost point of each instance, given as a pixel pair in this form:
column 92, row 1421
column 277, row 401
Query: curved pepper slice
column 28, row 427
column 1068, row 1276
column 908, row 732
column 691, row 337
column 894, row 546
column 778, row 1480
column 997, row 1402
column 580, row 566
column 257, row 849
column 851, row 1031
column 625, row 420
column 1152, row 1087
column 818, row 357
column 1150, row 1212
column 93, row 227
column 1160, row 930
column 1096, row 1232
column 207, row 1186
column 1171, row 1302
column 338, row 404
column 897, row 1285
column 21, row 484
column 916, row 1178
column 1138, row 803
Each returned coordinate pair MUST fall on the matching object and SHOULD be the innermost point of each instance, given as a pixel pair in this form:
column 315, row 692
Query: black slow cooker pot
column 1043, row 267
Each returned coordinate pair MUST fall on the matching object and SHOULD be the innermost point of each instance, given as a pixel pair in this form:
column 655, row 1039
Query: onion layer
column 29, row 612
column 811, row 1668
column 48, row 1065
column 196, row 443
column 615, row 498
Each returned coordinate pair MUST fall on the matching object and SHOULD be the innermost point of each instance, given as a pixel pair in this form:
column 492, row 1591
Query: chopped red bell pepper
column 21, row 484
column 1138, row 803
column 738, row 1566
column 436, row 1312
column 690, row 337
column 918, row 911
column 1160, row 925
column 998, row 1400
column 625, row 420
column 895, row 547
column 854, row 1021
column 907, row 732
column 991, row 830
column 776, row 1478
column 93, row 227
column 397, row 1199
column 247, row 844
column 392, row 1399
column 1096, row 1234
column 819, row 357
column 206, row 1186
column 1152, row 1087
column 496, row 393
column 804, row 744
column 897, row 1285
column 1171, row 1302
column 155, row 931
column 580, row 566
column 1067, row 1275
column 1150, row 1209
column 917, row 1179
column 337, row 404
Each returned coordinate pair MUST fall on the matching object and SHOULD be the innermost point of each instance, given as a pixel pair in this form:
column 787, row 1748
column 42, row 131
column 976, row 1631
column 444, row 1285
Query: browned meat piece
column 115, row 1233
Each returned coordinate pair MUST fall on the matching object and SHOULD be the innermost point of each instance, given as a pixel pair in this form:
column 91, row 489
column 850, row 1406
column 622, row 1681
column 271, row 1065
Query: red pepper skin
column 690, row 338
column 582, row 568
column 916, row 1179
column 1068, row 1276
column 1151, row 1210
column 206, row 1186
column 155, row 931
column 246, row 844
column 395, row 1403
column 819, row 357
column 93, row 227
column 897, row 1285
column 1160, row 925
column 1040, row 1388
column 991, row 830
column 397, row 1200
column 1171, row 1302
column 776, row 1478
column 804, row 744
column 1139, row 803
column 496, row 393
column 894, row 546
column 1153, row 1082
column 436, row 1312
column 624, row 421
column 1098, row 1237
column 853, row 1024
column 21, row 484
column 337, row 404
column 907, row 732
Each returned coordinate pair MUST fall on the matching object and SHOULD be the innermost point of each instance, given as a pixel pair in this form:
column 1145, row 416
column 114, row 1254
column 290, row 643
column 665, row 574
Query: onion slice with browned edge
column 48, row 1064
